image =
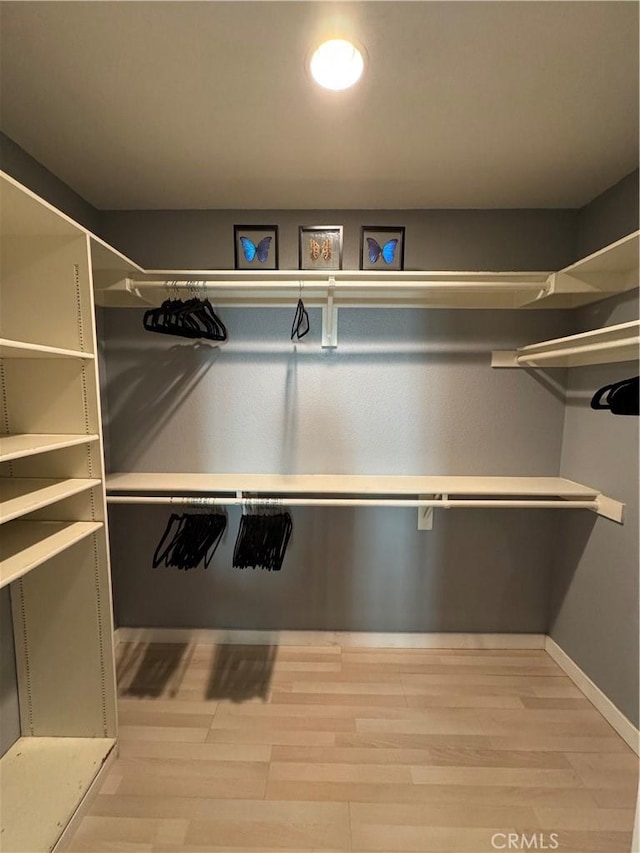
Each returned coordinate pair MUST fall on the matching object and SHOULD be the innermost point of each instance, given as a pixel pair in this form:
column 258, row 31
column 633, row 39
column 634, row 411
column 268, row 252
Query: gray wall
column 594, row 596
column 407, row 391
column 610, row 216
column 9, row 709
column 435, row 239
column 16, row 162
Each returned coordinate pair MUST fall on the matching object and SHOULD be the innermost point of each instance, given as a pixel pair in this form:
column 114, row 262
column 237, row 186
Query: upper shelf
column 601, row 346
column 611, row 270
column 120, row 282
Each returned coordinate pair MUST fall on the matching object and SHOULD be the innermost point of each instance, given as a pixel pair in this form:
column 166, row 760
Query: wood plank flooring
column 254, row 749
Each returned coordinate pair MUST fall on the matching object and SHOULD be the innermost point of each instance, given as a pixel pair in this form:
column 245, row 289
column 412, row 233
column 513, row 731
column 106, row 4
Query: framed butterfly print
column 256, row 247
column 320, row 247
column 382, row 247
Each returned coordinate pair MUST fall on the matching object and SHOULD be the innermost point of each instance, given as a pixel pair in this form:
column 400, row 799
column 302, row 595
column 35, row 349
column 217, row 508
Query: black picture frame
column 381, row 235
column 254, row 234
column 320, row 247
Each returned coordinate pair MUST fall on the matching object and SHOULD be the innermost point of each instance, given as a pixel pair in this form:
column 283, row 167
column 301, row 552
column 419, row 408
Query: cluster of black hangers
column 191, row 539
column 195, row 318
column 262, row 541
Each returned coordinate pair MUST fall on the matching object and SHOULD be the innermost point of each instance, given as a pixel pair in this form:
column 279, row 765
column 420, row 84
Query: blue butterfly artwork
column 386, row 252
column 251, row 250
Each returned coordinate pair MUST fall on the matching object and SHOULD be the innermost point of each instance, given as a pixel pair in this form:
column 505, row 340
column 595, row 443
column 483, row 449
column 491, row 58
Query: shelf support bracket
column 608, row 508
column 425, row 513
column 330, row 319
column 504, row 358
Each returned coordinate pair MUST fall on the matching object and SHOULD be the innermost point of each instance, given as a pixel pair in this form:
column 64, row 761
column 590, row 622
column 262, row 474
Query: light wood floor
column 260, row 748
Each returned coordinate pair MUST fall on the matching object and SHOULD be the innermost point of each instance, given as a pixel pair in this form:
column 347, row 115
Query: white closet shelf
column 23, row 349
column 55, row 773
column 26, row 545
column 360, row 490
column 612, row 269
column 28, row 444
column 601, row 346
column 20, row 496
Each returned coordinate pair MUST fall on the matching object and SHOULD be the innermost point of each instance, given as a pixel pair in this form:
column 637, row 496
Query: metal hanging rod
column 311, row 284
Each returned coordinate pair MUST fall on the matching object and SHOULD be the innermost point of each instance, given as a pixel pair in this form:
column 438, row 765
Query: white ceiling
column 208, row 105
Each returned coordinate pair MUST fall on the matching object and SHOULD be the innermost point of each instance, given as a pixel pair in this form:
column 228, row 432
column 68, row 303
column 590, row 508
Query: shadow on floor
column 151, row 670
column 240, row 673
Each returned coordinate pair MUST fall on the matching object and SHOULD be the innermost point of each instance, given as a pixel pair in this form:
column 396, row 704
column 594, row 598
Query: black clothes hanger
column 175, row 523
column 622, row 398
column 300, row 325
column 262, row 541
column 194, row 540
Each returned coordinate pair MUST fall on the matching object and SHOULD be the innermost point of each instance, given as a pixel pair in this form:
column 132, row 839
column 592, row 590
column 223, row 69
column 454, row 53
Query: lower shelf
column 27, row 544
column 42, row 782
column 424, row 492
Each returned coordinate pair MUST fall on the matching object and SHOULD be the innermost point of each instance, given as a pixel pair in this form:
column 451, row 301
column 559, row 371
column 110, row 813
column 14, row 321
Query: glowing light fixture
column 336, row 64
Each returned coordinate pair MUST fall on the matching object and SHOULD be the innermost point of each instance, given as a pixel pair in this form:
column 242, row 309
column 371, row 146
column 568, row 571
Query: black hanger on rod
column 300, row 325
column 620, row 398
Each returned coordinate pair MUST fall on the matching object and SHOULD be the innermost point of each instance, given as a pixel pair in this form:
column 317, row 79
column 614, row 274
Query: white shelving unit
column 349, row 490
column 53, row 553
column 600, row 346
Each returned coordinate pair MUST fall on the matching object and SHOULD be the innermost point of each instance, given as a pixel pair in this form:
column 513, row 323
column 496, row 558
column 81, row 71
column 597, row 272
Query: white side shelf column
column 54, row 555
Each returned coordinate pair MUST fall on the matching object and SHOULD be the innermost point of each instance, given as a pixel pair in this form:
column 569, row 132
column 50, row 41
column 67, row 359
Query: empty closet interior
column 450, row 450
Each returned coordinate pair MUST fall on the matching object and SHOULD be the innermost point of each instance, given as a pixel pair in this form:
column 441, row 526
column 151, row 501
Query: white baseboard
column 625, row 728
column 210, row 636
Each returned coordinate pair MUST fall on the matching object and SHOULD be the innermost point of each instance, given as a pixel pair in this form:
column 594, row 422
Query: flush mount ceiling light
column 337, row 64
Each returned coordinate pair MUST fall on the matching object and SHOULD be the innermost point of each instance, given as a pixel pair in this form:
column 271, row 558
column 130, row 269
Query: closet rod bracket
column 330, row 318
column 425, row 513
